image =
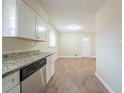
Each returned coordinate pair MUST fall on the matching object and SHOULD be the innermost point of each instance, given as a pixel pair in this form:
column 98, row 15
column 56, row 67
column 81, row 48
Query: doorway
column 85, row 46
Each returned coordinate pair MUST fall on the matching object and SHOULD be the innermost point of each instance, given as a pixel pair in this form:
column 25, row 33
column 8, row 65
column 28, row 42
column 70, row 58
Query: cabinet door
column 9, row 18
column 52, row 68
column 40, row 28
column 15, row 89
column 44, row 74
column 26, row 21
column 48, row 74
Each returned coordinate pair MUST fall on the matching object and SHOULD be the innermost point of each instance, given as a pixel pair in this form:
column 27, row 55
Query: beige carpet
column 75, row 75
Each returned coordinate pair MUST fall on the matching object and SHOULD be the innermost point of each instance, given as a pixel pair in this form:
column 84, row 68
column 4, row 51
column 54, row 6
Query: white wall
column 69, row 43
column 108, row 44
column 15, row 45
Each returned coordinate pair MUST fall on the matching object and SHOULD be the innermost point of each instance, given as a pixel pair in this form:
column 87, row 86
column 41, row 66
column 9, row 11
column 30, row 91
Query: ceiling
column 63, row 13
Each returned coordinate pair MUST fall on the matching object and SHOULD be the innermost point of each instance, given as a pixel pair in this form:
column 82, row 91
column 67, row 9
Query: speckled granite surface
column 15, row 61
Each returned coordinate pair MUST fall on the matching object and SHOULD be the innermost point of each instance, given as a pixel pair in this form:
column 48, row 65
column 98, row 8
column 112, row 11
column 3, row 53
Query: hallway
column 75, row 75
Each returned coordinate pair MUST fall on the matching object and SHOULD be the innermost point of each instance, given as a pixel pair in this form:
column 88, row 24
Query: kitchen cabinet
column 26, row 21
column 15, row 89
column 50, row 67
column 40, row 28
column 20, row 21
column 9, row 18
column 48, row 75
column 10, row 82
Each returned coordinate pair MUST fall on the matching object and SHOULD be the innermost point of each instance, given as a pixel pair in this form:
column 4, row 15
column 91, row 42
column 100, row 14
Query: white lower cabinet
column 15, row 89
column 47, row 72
column 10, row 83
column 50, row 67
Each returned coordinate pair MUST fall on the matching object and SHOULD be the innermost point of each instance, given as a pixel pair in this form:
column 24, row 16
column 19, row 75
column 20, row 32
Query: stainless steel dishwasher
column 33, row 77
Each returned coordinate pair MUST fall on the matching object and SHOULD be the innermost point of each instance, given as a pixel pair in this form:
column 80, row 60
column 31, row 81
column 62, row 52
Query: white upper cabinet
column 40, row 28
column 26, row 21
column 20, row 21
column 9, row 18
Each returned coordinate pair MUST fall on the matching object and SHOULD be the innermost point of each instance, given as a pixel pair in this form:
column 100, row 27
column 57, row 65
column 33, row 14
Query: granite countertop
column 15, row 61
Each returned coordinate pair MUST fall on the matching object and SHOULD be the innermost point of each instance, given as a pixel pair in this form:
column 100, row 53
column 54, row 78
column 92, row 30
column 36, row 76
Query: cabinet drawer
column 15, row 89
column 10, row 81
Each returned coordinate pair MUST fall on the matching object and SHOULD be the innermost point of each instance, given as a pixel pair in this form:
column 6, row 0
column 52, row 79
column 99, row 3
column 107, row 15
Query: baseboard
column 69, row 56
column 75, row 57
column 92, row 56
column 104, row 83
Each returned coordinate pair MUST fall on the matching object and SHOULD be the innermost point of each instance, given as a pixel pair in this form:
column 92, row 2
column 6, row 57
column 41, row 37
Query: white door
column 26, row 21
column 85, row 46
column 40, row 28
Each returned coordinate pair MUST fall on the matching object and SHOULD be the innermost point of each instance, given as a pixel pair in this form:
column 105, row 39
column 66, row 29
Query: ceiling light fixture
column 74, row 27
